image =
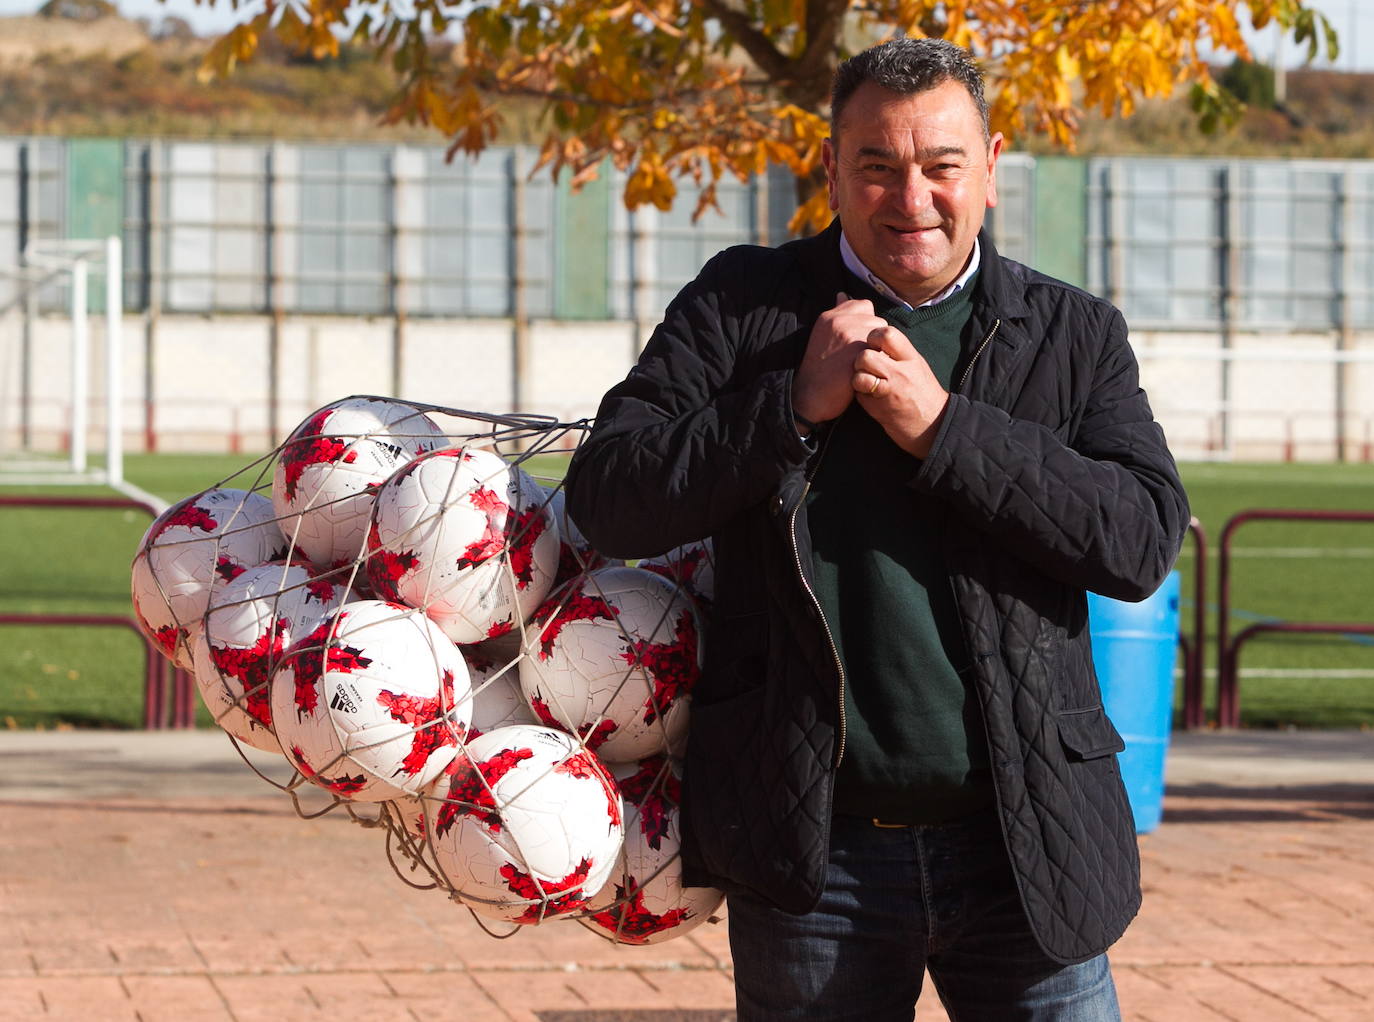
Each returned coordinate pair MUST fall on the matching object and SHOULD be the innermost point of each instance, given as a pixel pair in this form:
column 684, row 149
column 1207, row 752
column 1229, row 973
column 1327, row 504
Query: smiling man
column 914, row 457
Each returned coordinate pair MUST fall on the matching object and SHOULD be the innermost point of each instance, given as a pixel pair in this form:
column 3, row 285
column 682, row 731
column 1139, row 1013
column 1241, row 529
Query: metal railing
column 1228, row 649
column 156, row 711
column 1194, row 713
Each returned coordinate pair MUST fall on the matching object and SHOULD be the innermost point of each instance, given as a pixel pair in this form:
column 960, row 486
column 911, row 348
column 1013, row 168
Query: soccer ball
column 373, row 703
column 330, row 467
column 249, row 624
column 575, row 555
column 497, row 699
column 529, row 827
column 692, row 566
column 645, row 902
column 614, row 659
column 467, row 539
column 196, row 543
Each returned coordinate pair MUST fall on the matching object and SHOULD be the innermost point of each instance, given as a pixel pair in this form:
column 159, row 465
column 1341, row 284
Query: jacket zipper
column 976, row 657
column 829, row 636
column 796, row 557
column 992, row 332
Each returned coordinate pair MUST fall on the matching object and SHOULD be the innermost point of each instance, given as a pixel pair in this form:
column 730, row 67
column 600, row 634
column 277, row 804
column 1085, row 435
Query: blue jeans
column 899, row 902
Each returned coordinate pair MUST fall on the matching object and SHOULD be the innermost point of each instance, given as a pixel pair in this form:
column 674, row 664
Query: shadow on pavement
column 1229, row 803
column 636, row 1016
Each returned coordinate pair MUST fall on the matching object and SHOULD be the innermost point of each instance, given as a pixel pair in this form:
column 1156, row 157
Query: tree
column 78, row 10
column 694, row 89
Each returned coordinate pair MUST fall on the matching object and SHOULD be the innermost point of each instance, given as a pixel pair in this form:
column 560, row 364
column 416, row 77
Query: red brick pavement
column 1259, row 908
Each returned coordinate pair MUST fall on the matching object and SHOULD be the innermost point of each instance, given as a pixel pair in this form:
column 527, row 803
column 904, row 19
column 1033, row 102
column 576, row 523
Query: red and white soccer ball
column 328, row 471
column 248, row 626
column 692, row 566
column 497, row 699
column 529, row 827
column 373, row 703
column 645, row 902
column 576, row 556
column 192, row 546
column 614, row 660
column 467, row 539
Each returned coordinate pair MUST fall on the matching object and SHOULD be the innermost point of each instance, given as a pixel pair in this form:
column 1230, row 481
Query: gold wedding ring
column 874, row 389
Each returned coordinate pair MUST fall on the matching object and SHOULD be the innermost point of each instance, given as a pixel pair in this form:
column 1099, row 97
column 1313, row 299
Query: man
column 913, row 457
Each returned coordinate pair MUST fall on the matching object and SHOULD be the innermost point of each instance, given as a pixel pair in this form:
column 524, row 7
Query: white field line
column 1288, row 474
column 138, row 493
column 1293, row 672
column 1295, row 552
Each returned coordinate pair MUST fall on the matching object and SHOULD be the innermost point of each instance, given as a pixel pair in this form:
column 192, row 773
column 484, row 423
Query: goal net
column 59, row 452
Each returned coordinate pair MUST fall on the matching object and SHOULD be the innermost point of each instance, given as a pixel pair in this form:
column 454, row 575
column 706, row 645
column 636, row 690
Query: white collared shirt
column 855, row 266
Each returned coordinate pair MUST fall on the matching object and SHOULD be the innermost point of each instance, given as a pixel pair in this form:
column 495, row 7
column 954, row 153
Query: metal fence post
column 272, row 239
column 26, row 201
column 642, row 280
column 397, row 281
column 1229, row 251
column 1345, row 329
column 1115, row 224
column 520, row 325
column 154, row 266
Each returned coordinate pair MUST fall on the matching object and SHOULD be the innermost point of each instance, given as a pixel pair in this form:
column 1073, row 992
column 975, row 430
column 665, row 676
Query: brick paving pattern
column 1259, row 907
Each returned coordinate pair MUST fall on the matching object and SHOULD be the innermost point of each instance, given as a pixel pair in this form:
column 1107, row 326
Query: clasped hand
column 854, row 354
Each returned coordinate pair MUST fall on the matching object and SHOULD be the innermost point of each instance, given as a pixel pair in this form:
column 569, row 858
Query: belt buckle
column 890, row 826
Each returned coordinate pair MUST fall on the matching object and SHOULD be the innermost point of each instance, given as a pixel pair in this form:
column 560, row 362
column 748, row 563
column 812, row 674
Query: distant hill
column 92, row 72
column 23, row 40
column 1326, row 114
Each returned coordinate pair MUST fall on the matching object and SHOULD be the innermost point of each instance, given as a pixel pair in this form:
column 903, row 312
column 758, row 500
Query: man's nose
column 913, row 192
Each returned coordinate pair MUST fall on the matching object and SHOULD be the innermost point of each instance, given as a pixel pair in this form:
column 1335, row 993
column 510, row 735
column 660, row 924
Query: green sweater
column 915, row 747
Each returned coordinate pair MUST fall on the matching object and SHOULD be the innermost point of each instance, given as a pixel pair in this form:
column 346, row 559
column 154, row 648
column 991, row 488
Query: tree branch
column 824, row 22
column 759, row 47
column 647, row 104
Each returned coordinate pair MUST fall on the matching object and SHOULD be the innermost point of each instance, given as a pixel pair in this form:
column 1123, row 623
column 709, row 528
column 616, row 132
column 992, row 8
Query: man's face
column 911, row 178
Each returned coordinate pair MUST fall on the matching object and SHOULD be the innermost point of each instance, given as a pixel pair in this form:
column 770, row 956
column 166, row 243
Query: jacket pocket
column 721, row 782
column 1088, row 733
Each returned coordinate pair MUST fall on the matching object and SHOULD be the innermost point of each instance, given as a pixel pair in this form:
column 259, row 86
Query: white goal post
column 46, row 260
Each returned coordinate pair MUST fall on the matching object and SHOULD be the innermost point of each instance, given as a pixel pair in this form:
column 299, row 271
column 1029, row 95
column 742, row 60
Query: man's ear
column 994, row 151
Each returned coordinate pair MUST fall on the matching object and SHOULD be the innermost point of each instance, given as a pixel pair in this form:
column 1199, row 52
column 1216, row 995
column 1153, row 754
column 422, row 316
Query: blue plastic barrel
column 1134, row 648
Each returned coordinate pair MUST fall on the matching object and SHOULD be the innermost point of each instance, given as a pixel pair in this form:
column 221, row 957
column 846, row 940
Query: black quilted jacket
column 1055, row 480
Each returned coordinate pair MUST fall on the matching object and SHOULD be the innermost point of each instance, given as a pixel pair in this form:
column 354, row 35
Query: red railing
column 1228, row 649
column 154, row 672
column 1194, row 713
column 156, row 713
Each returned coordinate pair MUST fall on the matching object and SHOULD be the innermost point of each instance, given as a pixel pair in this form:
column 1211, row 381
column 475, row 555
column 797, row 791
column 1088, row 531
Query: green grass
column 65, row 561
column 1299, row 571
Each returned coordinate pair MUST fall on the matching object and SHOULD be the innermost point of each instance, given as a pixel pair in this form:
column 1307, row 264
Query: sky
column 1352, row 19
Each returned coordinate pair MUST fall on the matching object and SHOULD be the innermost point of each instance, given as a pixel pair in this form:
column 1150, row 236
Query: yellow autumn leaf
column 615, row 74
column 813, row 215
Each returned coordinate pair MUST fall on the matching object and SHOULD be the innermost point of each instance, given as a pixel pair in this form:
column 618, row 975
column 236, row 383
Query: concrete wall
column 211, row 380
column 1274, row 396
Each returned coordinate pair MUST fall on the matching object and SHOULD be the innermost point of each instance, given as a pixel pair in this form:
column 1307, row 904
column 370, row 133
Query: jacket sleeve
column 688, row 439
column 1102, row 509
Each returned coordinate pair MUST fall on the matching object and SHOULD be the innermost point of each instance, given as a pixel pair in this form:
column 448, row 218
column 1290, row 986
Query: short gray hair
column 908, row 66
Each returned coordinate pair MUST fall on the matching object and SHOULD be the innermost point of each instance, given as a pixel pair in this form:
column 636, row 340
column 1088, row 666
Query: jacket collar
column 820, row 261
column 996, row 294
column 997, row 291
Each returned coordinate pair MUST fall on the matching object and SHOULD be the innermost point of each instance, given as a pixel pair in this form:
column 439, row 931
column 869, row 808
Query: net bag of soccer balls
column 395, row 601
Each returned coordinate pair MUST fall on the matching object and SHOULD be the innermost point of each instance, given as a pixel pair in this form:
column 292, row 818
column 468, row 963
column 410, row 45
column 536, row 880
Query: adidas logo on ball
column 342, row 703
